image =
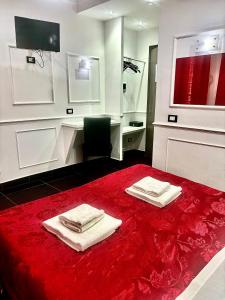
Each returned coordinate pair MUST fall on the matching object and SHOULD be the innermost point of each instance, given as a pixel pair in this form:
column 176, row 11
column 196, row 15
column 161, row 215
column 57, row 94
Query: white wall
column 180, row 18
column 114, row 64
column 79, row 35
column 130, row 43
column 113, row 79
column 136, row 45
column 145, row 39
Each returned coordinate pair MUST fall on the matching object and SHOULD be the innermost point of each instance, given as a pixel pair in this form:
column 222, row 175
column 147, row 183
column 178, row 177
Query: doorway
column 152, row 85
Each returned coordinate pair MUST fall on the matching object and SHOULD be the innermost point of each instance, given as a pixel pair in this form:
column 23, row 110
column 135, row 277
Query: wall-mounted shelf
column 79, row 125
column 131, row 129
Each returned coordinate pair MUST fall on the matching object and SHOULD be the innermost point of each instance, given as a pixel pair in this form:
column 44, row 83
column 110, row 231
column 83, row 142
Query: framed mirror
column 198, row 78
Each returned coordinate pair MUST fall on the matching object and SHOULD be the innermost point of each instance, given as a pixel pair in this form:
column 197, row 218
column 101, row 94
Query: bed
column 154, row 255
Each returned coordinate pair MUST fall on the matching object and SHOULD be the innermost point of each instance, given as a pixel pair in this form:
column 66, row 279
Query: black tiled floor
column 32, row 193
column 134, row 157
column 12, row 185
column 67, row 182
column 17, row 185
column 5, row 203
column 97, row 168
column 41, row 185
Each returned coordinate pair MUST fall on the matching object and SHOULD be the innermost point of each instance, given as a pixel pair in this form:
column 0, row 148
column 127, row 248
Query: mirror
column 199, row 70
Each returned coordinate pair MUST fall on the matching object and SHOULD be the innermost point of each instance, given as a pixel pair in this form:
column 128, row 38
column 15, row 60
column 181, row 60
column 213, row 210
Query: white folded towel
column 81, row 241
column 82, row 214
column 78, row 228
column 171, row 194
column 151, row 186
column 81, row 217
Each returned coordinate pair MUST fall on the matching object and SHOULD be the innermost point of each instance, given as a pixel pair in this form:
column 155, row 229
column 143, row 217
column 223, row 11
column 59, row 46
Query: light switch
column 172, row 118
column 31, row 60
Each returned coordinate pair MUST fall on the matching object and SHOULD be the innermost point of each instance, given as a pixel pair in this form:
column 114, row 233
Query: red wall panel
column 192, row 80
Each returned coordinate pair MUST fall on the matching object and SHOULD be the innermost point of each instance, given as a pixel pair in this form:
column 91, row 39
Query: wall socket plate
column 31, row 59
column 69, row 111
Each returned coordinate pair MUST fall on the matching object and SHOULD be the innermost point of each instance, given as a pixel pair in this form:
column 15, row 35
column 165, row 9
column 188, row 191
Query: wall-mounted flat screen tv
column 37, row 35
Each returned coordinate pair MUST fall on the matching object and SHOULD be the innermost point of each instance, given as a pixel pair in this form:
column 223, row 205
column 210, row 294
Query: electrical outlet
column 129, row 140
column 31, row 60
column 69, row 111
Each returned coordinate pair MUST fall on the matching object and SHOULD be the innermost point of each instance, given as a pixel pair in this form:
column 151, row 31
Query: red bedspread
column 154, row 254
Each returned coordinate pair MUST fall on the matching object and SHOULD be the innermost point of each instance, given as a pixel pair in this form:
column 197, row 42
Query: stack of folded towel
column 153, row 191
column 81, row 218
column 82, row 227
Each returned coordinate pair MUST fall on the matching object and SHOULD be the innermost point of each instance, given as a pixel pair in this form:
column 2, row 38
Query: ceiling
column 138, row 14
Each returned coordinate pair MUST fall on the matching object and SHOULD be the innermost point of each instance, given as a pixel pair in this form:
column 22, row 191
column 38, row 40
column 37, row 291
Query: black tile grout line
column 10, row 200
column 46, row 183
column 28, row 188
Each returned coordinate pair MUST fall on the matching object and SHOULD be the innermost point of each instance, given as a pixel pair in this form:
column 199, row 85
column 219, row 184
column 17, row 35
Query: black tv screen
column 37, row 35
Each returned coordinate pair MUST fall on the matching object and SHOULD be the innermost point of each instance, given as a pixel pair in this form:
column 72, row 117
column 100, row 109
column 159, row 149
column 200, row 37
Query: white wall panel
column 195, row 160
column 36, row 146
column 83, row 81
column 194, row 154
column 113, row 78
column 130, row 43
column 28, row 78
column 145, row 39
column 29, row 148
column 114, row 65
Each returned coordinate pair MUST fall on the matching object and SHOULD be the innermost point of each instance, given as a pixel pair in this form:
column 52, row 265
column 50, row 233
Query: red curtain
column 192, row 80
column 220, row 96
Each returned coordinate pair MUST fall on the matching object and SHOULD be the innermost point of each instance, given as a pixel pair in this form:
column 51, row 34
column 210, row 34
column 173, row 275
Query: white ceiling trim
column 138, row 14
column 86, row 4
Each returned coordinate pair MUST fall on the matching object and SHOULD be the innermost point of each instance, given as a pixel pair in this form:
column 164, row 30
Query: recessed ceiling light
column 111, row 14
column 141, row 25
column 152, row 2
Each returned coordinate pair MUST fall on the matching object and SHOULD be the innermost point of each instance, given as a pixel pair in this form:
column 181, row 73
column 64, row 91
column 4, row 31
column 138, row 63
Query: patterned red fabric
column 154, row 255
